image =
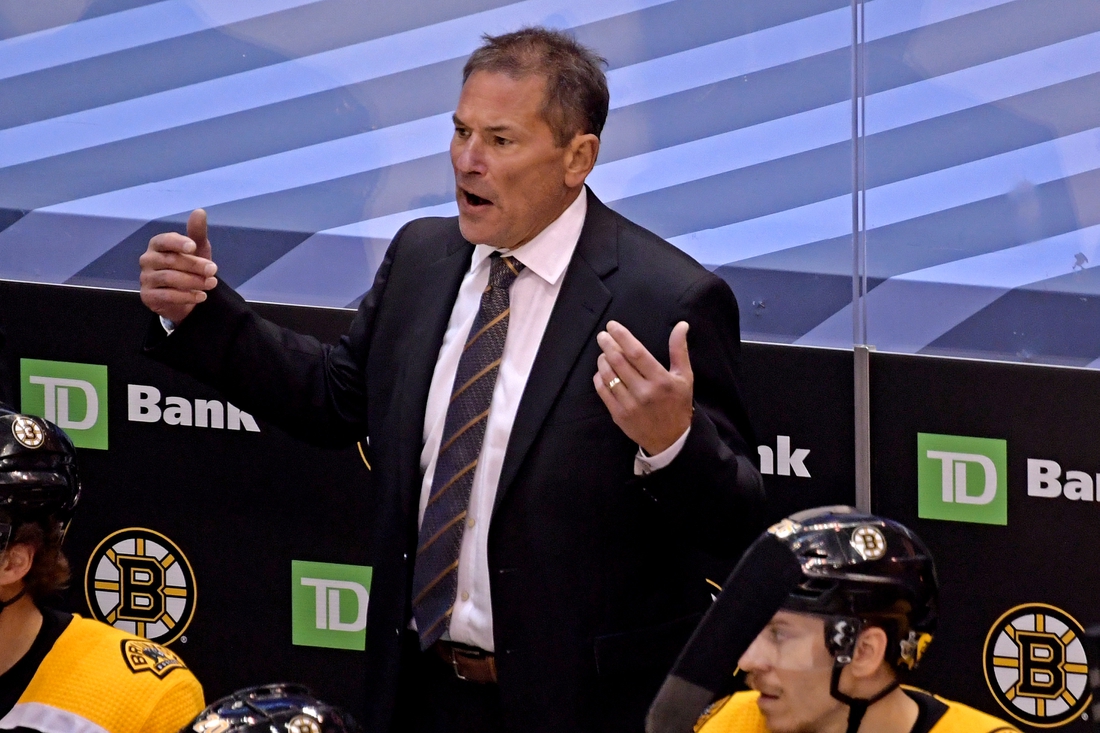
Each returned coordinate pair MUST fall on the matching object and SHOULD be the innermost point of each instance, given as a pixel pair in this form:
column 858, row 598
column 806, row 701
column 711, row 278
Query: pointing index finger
column 172, row 242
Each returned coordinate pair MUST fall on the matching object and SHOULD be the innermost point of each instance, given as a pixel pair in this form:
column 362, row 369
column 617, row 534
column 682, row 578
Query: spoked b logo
column 139, row 581
column 329, row 604
column 962, row 479
column 1035, row 665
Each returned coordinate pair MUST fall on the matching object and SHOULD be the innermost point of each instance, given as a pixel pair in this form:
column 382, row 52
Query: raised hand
column 651, row 404
column 176, row 271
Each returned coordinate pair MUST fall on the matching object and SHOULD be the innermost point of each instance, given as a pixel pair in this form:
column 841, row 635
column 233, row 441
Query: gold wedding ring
column 614, row 383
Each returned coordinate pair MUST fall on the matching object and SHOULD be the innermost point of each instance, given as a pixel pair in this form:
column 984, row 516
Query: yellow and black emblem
column 145, row 656
column 303, row 724
column 139, row 581
column 1035, row 665
column 869, row 542
column 28, row 432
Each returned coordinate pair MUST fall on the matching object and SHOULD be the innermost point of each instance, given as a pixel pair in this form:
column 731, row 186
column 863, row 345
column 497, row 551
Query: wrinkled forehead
column 493, row 100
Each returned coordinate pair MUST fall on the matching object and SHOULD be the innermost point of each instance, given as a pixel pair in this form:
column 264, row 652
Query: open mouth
column 475, row 200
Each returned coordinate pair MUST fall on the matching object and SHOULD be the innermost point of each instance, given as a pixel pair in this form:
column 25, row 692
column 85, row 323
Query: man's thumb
column 678, row 360
column 196, row 230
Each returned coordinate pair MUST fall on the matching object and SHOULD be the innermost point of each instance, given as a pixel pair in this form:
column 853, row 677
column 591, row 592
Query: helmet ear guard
column 841, row 634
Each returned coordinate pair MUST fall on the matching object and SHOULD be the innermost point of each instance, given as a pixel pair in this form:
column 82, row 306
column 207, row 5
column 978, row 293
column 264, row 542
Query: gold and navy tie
column 435, row 572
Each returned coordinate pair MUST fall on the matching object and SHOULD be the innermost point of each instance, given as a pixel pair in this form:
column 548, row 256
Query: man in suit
column 549, row 464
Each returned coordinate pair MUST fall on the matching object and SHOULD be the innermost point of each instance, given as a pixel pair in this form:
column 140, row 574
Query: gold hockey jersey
column 97, row 679
column 740, row 714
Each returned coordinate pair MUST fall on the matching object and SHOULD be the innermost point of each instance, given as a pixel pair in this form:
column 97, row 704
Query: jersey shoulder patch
column 737, row 713
column 145, row 656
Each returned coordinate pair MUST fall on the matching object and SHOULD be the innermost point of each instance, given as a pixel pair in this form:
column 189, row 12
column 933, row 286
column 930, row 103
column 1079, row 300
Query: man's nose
column 469, row 155
column 755, row 657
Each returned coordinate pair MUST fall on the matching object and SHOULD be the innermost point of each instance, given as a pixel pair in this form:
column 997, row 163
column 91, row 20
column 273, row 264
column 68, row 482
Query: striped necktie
column 435, row 571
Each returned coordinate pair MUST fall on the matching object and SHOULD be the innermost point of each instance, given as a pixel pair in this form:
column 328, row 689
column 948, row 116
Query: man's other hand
column 651, row 404
column 176, row 271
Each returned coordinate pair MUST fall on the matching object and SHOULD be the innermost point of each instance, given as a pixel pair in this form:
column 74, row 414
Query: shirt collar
column 548, row 254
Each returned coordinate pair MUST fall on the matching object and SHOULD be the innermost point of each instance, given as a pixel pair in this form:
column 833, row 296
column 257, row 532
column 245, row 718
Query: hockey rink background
column 312, row 129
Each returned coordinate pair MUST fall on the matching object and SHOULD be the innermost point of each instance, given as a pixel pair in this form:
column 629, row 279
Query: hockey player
column 58, row 671
column 849, row 606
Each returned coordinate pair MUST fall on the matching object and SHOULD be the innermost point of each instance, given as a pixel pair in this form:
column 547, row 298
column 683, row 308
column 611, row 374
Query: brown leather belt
column 469, row 663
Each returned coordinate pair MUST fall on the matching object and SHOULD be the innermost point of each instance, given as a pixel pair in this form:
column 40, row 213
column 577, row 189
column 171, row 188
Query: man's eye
column 462, row 132
column 498, row 140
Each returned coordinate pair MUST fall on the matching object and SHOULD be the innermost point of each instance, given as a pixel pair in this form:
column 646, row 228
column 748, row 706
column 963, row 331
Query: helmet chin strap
column 857, row 706
column 13, row 599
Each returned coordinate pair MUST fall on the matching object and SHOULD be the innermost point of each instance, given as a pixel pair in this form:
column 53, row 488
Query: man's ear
column 15, row 563
column 580, row 158
column 870, row 652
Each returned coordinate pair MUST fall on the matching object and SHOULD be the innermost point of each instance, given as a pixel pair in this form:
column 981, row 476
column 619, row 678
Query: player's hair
column 49, row 573
column 576, row 88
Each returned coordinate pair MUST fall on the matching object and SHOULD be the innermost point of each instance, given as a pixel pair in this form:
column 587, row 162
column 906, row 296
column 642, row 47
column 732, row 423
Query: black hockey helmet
column 38, row 474
column 859, row 570
column 854, row 569
column 274, row 708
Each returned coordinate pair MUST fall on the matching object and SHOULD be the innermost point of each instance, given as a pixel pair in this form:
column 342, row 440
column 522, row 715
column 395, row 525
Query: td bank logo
column 329, row 603
column 74, row 396
column 962, row 479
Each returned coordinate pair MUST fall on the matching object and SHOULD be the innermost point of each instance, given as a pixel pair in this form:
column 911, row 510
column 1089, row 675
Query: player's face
column 509, row 171
column 790, row 667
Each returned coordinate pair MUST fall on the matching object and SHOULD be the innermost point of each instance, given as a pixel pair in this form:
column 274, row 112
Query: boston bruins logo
column 28, row 432
column 1036, row 667
column 145, row 656
column 138, row 581
column 869, row 542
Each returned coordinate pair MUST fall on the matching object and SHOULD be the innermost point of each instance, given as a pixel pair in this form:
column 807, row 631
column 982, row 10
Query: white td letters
column 328, row 604
column 57, row 402
column 954, row 476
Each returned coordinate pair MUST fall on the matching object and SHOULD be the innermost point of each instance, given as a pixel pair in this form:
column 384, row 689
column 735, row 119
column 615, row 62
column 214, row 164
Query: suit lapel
column 573, row 323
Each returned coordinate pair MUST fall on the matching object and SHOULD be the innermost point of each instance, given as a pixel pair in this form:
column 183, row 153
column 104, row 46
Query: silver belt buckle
column 454, row 663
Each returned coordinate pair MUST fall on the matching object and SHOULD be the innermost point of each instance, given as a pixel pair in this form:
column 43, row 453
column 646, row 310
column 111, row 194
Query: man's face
column 510, row 175
column 790, row 667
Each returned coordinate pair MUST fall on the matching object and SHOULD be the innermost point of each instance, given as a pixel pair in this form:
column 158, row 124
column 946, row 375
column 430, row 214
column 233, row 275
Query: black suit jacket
column 596, row 575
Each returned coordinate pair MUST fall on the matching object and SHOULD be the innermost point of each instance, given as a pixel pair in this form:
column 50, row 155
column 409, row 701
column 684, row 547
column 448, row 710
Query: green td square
column 329, row 603
column 73, row 396
column 962, row 479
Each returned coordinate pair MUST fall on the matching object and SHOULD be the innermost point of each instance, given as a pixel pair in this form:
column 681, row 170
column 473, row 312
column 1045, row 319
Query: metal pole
column 861, row 350
column 863, row 426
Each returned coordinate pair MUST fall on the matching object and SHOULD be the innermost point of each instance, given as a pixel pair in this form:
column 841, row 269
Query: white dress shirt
column 532, row 298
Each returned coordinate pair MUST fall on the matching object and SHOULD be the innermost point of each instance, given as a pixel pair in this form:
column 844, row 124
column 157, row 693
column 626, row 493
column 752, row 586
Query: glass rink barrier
column 980, row 180
column 312, row 130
